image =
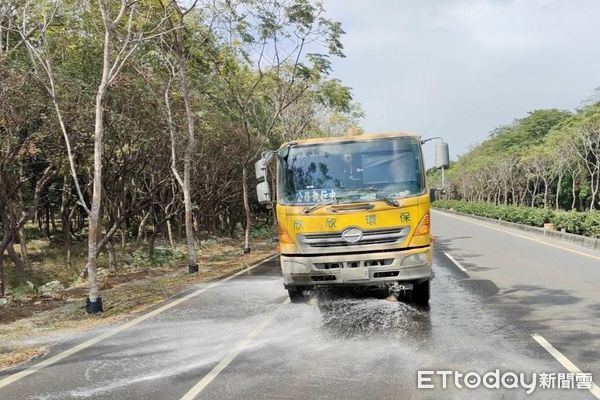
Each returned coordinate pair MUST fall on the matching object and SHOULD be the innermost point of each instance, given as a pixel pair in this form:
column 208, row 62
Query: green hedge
column 581, row 223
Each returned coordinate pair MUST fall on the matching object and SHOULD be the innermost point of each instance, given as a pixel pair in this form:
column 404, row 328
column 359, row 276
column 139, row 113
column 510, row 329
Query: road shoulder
column 29, row 338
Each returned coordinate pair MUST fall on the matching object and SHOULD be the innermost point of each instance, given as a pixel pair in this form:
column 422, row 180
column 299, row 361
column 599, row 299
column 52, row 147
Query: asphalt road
column 241, row 339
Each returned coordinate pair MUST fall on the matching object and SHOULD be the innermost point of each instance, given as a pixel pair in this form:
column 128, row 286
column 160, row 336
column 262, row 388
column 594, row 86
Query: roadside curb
column 585, row 241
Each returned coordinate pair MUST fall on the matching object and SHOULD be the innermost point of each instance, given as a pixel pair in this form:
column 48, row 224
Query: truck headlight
column 415, row 259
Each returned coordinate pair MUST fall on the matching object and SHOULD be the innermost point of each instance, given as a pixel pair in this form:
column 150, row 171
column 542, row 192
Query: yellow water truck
column 353, row 211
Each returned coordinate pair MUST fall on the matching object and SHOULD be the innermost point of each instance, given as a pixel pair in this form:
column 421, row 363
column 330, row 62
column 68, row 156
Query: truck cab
column 353, row 211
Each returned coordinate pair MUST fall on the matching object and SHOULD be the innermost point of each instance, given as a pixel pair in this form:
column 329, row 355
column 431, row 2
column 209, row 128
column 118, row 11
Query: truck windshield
column 352, row 171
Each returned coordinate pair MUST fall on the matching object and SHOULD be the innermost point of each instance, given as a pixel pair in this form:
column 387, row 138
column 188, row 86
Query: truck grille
column 334, row 239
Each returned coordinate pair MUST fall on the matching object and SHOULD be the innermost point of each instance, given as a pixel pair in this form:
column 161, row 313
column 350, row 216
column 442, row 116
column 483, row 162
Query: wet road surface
column 241, row 339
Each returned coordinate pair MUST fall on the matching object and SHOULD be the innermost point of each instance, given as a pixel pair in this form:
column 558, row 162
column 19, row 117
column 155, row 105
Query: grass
column 10, row 357
column 128, row 291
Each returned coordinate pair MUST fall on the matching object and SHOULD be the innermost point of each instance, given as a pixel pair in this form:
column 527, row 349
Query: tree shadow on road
column 468, row 260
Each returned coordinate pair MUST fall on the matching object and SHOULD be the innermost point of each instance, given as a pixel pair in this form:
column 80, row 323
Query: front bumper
column 370, row 269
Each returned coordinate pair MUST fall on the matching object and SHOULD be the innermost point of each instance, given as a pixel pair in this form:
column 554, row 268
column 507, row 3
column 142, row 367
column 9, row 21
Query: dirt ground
column 34, row 317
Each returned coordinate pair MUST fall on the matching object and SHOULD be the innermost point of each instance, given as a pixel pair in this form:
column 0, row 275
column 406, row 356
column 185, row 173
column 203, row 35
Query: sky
column 459, row 68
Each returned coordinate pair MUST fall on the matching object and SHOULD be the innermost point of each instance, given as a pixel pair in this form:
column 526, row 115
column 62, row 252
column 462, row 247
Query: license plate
column 355, row 274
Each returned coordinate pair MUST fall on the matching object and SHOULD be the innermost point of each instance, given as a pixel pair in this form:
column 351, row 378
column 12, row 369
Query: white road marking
column 463, row 269
column 241, row 346
column 564, row 361
column 88, row 343
column 581, row 253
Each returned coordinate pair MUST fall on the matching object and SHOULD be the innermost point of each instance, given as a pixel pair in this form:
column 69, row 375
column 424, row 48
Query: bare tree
column 588, row 150
column 113, row 60
column 185, row 183
column 121, row 38
column 178, row 68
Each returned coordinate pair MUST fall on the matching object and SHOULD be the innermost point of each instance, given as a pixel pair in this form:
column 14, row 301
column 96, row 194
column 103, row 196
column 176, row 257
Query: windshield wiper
column 381, row 196
column 387, row 199
column 316, row 206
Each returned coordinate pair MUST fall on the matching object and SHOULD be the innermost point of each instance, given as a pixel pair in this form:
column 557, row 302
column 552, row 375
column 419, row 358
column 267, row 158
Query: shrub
column 25, row 290
column 162, row 256
column 579, row 222
column 262, row 231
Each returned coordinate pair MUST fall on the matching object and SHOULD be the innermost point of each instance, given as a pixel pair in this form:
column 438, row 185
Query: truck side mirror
column 442, row 155
column 263, row 192
column 260, row 169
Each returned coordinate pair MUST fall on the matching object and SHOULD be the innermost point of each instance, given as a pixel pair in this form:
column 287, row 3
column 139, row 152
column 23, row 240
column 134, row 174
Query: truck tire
column 420, row 293
column 297, row 295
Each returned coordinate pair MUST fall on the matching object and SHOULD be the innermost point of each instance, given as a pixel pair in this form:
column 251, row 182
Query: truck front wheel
column 420, row 293
column 297, row 295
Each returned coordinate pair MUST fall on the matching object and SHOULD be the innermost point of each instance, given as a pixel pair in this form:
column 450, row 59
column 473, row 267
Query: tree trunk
column 91, row 266
column 187, row 164
column 21, row 233
column 170, row 233
column 524, row 194
column 19, row 267
column 94, row 216
column 23, row 247
column 112, row 256
column 47, row 216
column 69, row 236
column 2, row 283
column 534, row 193
column 246, row 209
column 189, row 223
column 123, row 238
column 594, row 188
column 52, row 222
column 65, row 218
column 231, row 223
column 558, row 184
column 142, row 228
column 573, row 191
column 180, row 218
column 155, row 230
column 545, row 193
